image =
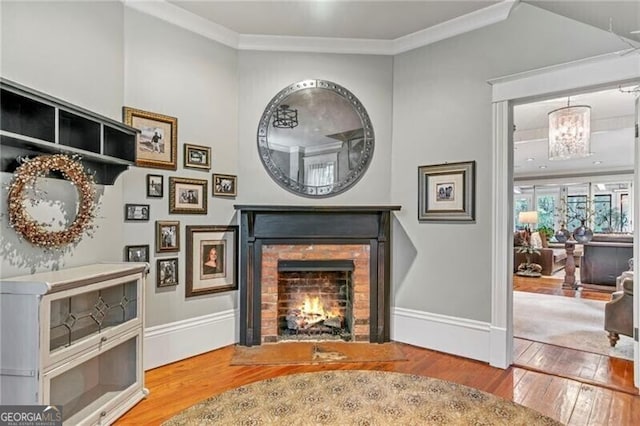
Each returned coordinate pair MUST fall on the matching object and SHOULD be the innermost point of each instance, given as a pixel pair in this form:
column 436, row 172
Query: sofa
column 550, row 259
column 605, row 257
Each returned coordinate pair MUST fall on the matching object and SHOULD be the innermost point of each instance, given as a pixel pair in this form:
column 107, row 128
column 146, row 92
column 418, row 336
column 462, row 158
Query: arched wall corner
column 590, row 73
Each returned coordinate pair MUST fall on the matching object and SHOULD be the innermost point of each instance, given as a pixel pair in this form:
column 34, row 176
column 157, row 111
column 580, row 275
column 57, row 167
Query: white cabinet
column 74, row 338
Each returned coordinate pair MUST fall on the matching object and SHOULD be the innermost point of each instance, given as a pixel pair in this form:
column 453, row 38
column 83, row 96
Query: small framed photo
column 136, row 253
column 197, row 156
column 136, row 211
column 167, row 272
column 167, row 236
column 187, row 196
column 157, row 142
column 446, row 192
column 155, row 186
column 212, row 264
column 225, row 185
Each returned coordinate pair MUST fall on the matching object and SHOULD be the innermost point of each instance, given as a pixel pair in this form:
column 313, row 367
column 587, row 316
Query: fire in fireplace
column 315, row 300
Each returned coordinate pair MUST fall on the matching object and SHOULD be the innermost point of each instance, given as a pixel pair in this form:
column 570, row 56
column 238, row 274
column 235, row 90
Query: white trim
column 501, row 344
column 458, row 336
column 173, row 14
column 580, row 75
column 184, row 19
column 594, row 71
column 315, row 44
column 636, row 246
column 178, row 340
column 463, row 24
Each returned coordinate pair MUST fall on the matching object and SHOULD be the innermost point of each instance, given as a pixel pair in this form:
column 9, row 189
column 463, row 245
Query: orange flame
column 314, row 306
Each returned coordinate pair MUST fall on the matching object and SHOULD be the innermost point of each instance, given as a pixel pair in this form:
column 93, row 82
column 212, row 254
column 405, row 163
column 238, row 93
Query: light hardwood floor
column 576, row 388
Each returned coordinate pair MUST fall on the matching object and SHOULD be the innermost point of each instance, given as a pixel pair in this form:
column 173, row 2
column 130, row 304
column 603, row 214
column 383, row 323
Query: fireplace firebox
column 314, row 272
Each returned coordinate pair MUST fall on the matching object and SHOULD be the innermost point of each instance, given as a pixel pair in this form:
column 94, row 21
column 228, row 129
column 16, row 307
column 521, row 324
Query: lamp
column 570, row 132
column 285, row 117
column 528, row 218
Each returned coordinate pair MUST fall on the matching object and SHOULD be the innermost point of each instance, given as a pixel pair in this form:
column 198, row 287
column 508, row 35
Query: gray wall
column 102, row 56
column 442, row 113
column 73, row 51
column 177, row 73
column 263, row 74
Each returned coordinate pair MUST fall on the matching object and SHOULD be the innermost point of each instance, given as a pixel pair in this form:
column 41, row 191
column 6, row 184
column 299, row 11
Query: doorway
column 607, row 71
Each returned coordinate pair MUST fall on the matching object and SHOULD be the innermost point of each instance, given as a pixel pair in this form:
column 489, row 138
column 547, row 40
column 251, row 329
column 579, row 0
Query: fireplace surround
column 322, row 233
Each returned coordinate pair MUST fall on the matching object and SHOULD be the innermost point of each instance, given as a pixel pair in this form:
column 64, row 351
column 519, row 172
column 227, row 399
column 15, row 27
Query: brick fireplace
column 293, row 257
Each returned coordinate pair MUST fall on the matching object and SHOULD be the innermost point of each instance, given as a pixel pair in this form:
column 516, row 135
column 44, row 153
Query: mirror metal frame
column 293, row 185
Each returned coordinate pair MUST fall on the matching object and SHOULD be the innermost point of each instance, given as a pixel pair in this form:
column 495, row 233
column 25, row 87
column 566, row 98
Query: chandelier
column 285, row 117
column 570, row 132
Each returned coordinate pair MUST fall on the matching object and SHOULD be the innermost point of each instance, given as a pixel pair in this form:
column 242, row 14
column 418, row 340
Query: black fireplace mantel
column 286, row 224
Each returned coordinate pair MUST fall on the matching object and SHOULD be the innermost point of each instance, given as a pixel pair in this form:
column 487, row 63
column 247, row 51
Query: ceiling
column 388, row 20
column 612, row 135
column 384, row 21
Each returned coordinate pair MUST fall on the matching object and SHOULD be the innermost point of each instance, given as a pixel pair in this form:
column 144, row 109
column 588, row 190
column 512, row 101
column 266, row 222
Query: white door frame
column 600, row 71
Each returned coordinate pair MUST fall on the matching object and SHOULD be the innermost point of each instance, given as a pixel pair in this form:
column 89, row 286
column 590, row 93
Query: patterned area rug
column 357, row 398
column 566, row 321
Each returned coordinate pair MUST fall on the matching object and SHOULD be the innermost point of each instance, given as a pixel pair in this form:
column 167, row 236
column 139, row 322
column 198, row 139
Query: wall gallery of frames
column 53, row 138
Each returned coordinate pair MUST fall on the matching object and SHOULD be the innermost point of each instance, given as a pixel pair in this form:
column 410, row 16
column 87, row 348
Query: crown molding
column 175, row 15
column 184, row 19
column 471, row 21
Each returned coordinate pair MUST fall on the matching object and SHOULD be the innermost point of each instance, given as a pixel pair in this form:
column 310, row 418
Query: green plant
column 546, row 230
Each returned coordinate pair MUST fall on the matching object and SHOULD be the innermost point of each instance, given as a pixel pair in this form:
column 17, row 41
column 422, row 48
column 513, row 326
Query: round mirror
column 315, row 138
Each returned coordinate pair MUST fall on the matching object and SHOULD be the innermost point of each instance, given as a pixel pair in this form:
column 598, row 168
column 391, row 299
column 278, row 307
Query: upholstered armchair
column 618, row 313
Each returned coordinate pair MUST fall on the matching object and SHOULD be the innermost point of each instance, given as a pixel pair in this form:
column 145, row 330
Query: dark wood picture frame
column 197, row 157
column 157, row 142
column 188, row 196
column 136, row 212
column 212, row 259
column 136, row 253
column 446, row 192
column 155, row 186
column 167, row 236
column 167, row 272
column 224, row 185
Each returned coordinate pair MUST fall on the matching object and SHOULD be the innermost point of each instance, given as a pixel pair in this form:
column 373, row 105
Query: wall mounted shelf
column 33, row 123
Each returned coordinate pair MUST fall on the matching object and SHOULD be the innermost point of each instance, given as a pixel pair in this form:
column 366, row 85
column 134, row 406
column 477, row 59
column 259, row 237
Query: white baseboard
column 167, row 343
column 457, row 336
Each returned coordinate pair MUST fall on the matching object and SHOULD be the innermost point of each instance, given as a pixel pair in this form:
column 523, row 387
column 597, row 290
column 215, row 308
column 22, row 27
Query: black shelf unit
column 34, row 123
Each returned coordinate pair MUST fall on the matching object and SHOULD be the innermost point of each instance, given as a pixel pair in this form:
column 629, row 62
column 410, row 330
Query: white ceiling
column 384, row 21
column 612, row 135
column 388, row 20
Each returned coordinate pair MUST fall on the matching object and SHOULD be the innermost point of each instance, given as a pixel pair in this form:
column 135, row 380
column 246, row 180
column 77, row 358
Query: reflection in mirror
column 315, row 138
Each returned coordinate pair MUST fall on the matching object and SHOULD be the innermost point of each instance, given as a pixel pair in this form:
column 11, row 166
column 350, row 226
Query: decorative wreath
column 25, row 177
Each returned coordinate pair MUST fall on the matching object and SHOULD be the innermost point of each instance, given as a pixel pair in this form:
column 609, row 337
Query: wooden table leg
column 570, row 267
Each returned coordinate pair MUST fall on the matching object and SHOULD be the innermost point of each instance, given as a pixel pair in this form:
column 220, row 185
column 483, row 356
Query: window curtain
column 320, row 174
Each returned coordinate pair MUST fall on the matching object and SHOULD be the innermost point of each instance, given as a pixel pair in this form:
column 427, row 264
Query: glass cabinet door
column 78, row 317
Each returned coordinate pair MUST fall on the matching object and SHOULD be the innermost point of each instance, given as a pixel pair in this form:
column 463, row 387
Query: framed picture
column 157, row 142
column 167, row 272
column 212, row 265
column 167, row 236
column 136, row 211
column 187, row 196
column 155, row 186
column 136, row 253
column 225, row 185
column 197, row 156
column 446, row 192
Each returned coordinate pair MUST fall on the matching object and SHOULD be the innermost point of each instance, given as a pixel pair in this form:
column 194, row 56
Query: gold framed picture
column 157, row 142
column 225, row 185
column 197, row 157
column 187, row 196
column 167, row 236
column 212, row 265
